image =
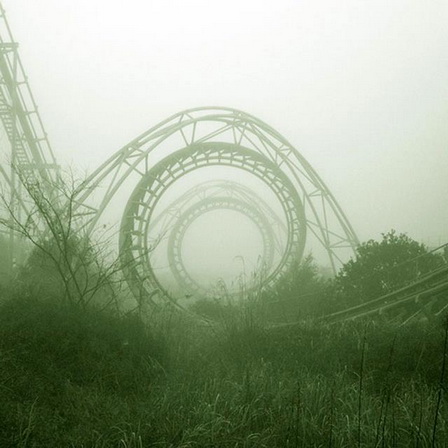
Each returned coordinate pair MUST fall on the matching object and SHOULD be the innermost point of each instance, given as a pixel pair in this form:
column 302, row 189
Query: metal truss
column 30, row 148
column 424, row 297
column 177, row 235
column 173, row 222
column 206, row 137
column 184, row 143
column 25, row 152
column 134, row 246
column 164, row 222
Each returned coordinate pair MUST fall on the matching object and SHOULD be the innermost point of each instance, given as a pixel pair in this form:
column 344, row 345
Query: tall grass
column 73, row 377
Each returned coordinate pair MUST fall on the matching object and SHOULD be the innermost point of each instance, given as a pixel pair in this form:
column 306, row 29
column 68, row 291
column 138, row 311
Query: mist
column 244, row 241
column 358, row 88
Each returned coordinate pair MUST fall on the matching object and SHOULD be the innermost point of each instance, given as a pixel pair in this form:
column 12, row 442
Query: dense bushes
column 64, row 361
column 301, row 293
column 380, row 267
column 80, row 346
column 75, row 372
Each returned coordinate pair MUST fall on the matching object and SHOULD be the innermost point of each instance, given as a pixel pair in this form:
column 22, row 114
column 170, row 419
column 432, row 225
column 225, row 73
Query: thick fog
column 360, row 88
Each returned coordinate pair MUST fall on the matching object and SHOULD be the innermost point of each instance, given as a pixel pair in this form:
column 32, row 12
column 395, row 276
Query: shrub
column 382, row 266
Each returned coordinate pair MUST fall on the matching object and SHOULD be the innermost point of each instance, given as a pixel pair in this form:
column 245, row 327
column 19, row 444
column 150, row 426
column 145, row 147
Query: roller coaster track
column 233, row 138
column 189, row 141
column 427, row 295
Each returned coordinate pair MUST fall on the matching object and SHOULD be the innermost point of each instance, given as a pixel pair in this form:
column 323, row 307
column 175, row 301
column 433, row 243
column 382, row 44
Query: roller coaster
column 195, row 162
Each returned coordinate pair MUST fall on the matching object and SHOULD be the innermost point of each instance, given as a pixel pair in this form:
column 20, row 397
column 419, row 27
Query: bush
column 65, row 342
column 64, row 361
column 302, row 293
column 383, row 266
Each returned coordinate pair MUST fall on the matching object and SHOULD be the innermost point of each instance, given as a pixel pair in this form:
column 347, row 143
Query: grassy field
column 74, row 377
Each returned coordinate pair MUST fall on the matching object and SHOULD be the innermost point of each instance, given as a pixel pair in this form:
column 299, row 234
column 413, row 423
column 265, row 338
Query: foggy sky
column 359, row 88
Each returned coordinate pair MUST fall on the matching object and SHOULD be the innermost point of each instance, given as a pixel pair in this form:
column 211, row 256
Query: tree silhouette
column 383, row 266
column 64, row 256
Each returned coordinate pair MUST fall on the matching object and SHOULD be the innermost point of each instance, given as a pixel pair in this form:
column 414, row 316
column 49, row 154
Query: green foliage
column 68, row 365
column 21, row 251
column 65, row 261
column 79, row 377
column 214, row 309
column 85, row 347
column 383, row 266
column 75, row 272
column 4, row 259
column 72, row 375
column 302, row 292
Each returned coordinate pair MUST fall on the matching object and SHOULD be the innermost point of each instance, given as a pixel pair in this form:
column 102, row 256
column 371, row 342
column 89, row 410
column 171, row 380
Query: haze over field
column 203, row 287
column 360, row 88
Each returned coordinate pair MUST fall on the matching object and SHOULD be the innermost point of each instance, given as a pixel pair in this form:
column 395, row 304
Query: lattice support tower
column 26, row 153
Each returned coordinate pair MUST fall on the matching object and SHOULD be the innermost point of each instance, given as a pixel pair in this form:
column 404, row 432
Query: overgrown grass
column 72, row 377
